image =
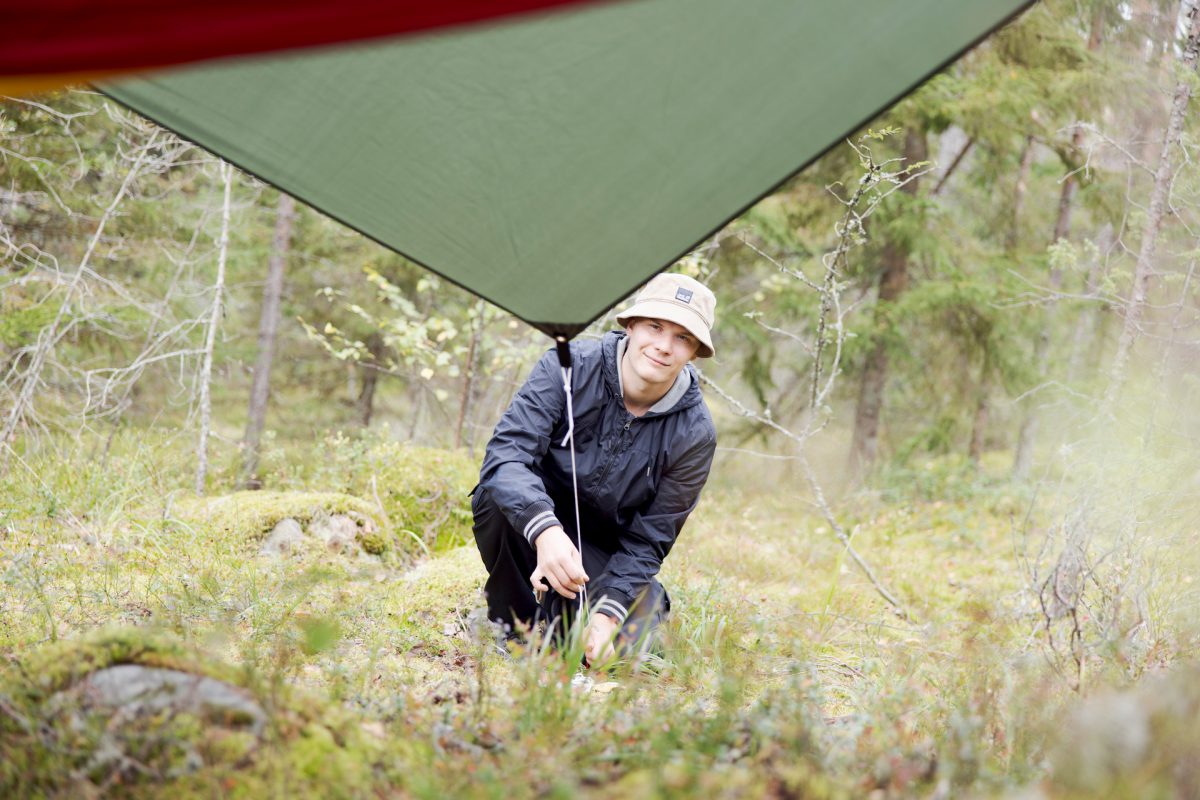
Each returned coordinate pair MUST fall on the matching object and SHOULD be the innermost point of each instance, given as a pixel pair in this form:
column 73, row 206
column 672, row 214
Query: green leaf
column 320, row 634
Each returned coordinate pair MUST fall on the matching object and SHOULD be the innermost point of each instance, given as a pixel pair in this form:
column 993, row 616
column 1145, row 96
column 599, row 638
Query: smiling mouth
column 656, row 361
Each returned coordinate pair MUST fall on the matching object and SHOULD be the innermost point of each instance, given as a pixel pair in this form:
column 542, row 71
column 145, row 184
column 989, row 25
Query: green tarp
column 553, row 164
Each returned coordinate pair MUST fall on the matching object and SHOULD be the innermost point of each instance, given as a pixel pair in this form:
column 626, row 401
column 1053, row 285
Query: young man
column 644, row 444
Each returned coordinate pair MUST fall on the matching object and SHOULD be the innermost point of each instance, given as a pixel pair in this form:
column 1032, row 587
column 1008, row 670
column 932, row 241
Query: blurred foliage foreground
column 153, row 647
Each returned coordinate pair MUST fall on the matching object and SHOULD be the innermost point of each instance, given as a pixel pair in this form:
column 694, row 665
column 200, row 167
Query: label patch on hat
column 684, row 294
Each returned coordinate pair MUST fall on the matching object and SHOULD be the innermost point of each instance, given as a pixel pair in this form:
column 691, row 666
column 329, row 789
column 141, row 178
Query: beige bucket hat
column 678, row 299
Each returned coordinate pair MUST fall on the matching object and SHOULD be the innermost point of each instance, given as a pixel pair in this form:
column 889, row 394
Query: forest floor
column 782, row 672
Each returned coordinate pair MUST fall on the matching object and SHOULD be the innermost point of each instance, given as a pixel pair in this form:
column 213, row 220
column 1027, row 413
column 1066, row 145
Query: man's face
column 658, row 350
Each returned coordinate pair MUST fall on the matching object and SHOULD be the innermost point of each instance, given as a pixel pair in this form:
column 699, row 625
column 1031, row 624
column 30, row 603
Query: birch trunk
column 211, row 338
column 268, row 328
column 1159, row 195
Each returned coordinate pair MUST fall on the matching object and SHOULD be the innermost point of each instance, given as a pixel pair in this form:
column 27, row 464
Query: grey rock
column 337, row 532
column 135, row 691
column 128, row 713
column 285, row 538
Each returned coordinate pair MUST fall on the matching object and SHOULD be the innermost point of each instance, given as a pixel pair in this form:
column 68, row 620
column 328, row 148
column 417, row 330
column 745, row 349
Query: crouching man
column 644, row 444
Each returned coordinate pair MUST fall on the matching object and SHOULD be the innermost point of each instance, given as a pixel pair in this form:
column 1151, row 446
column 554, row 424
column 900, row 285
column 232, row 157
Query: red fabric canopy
column 56, row 42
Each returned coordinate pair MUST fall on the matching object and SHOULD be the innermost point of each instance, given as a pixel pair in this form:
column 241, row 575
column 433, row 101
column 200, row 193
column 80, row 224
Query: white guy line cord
column 570, row 437
column 581, row 681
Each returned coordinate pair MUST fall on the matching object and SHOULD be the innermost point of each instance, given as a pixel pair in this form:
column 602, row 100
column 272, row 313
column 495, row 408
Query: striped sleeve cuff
column 539, row 517
column 611, row 607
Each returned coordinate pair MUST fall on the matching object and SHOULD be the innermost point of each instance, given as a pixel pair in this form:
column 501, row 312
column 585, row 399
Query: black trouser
column 510, row 561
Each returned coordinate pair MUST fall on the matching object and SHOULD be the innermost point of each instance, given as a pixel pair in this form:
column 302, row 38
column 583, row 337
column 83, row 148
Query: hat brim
column 672, row 312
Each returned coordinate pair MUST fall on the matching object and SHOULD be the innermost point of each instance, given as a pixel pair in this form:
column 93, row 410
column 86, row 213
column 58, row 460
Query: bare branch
column 50, row 335
column 815, row 487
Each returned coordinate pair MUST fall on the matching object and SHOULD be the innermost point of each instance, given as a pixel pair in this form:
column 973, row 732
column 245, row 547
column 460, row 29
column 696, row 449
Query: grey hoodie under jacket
column 639, row 477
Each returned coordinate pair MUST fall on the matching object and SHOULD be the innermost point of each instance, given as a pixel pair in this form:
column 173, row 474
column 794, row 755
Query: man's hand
column 599, row 638
column 559, row 564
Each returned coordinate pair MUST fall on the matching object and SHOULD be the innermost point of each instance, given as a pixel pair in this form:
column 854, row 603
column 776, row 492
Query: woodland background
column 949, row 546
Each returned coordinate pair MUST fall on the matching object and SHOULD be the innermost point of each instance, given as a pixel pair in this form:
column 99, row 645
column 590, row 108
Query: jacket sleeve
column 520, row 440
column 653, row 532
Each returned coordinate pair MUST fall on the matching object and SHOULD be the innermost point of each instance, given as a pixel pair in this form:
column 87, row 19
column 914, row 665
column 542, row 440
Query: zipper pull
column 628, row 422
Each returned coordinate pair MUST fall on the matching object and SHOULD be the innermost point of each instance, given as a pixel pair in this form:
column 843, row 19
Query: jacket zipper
column 616, row 451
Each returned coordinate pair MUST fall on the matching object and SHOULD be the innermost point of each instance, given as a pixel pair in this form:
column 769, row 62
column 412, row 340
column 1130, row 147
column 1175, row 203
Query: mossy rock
column 423, row 490
column 57, row 666
column 252, row 515
column 119, row 704
column 1139, row 742
column 444, row 587
column 130, row 713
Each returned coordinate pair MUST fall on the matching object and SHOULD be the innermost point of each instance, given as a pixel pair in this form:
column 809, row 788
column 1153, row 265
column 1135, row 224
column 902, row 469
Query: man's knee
column 483, row 507
column 652, row 601
column 646, row 616
column 488, row 524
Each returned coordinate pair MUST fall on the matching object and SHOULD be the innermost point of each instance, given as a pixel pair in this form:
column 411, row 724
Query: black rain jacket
column 639, row 477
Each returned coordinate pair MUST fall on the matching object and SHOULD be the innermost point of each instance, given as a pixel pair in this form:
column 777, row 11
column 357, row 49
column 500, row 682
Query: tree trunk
column 1027, row 438
column 982, row 408
column 958, row 159
column 1070, row 184
column 1160, row 37
column 1159, row 195
column 352, row 387
column 1163, row 373
column 464, row 402
column 415, row 415
column 370, row 378
column 1019, row 191
column 268, row 326
column 211, row 339
column 1085, row 323
column 892, row 283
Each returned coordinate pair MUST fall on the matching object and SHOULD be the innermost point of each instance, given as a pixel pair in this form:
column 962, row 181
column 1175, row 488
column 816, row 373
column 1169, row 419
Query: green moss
column 423, row 491
column 229, row 747
column 374, row 543
column 443, row 587
column 317, row 756
column 59, row 665
column 253, row 514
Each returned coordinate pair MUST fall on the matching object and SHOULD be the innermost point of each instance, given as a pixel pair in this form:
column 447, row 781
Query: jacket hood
column 608, row 350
